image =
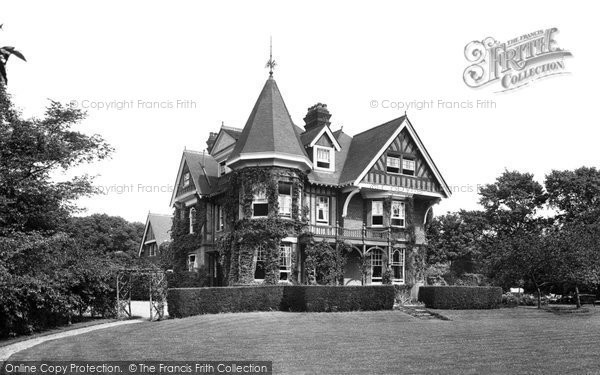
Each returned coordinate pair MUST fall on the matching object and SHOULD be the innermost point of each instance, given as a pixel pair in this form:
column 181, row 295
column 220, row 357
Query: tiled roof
column 204, row 170
column 235, row 133
column 161, row 227
column 308, row 136
column 365, row 147
column 269, row 127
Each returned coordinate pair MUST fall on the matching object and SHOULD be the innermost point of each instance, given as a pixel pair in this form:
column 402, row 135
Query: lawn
column 518, row 340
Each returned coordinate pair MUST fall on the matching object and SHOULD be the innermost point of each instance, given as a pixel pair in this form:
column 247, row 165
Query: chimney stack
column 211, row 140
column 317, row 115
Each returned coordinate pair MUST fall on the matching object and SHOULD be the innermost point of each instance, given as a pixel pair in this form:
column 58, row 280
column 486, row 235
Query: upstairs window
column 223, row 168
column 323, row 210
column 324, row 158
column 408, row 166
column 192, row 219
column 393, row 164
column 260, row 205
column 398, row 214
column 285, row 261
column 186, row 179
column 398, row 265
column 285, row 199
column 377, row 213
column 220, row 224
column 152, row 250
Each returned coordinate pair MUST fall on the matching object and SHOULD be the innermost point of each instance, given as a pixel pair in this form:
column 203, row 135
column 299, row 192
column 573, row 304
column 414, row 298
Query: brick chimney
column 211, row 140
column 317, row 115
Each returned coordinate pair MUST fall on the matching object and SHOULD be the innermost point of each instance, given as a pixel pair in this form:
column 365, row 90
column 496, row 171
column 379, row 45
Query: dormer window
column 393, row 164
column 408, row 166
column 260, row 205
column 186, row 179
column 324, row 158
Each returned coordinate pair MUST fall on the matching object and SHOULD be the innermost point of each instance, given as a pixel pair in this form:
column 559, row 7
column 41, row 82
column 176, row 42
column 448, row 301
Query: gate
column 157, row 291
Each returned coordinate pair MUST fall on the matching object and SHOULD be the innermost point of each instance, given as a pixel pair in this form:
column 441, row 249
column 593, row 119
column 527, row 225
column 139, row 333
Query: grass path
column 519, row 340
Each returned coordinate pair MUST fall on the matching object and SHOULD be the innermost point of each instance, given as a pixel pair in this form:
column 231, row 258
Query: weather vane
column 271, row 64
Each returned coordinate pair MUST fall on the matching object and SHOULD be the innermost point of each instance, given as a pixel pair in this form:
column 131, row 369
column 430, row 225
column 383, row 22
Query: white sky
column 340, row 53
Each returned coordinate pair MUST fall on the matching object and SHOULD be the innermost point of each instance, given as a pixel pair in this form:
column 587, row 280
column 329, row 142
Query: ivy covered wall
column 238, row 249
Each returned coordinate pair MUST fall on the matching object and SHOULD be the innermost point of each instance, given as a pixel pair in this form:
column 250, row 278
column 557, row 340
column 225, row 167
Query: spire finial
column 271, row 64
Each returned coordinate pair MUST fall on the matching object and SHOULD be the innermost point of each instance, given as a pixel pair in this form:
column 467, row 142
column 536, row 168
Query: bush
column 184, row 302
column 402, row 293
column 460, row 297
column 188, row 279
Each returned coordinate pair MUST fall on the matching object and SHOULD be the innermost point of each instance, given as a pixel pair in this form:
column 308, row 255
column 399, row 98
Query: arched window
column 192, row 219
column 398, row 265
column 376, row 265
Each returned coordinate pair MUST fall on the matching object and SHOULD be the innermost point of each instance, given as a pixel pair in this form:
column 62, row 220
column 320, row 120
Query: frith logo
column 515, row 63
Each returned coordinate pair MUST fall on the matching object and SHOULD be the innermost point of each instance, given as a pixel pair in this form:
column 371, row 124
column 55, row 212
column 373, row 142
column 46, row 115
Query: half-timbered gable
column 403, row 166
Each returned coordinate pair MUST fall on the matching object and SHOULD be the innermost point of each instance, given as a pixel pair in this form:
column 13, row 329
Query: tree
column 30, row 150
column 576, row 235
column 106, row 234
column 456, row 238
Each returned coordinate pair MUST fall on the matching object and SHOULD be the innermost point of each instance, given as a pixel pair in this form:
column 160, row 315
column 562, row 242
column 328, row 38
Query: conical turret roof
column 269, row 136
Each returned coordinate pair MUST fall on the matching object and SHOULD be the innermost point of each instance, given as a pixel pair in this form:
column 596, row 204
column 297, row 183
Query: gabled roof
column 310, row 137
column 161, row 228
column 269, row 131
column 234, row 133
column 365, row 147
column 368, row 146
column 203, row 170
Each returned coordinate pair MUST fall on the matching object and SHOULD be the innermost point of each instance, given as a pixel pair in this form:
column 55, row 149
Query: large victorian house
column 372, row 192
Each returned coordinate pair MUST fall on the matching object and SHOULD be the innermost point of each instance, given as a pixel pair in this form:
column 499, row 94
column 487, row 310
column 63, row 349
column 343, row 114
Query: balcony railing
column 364, row 233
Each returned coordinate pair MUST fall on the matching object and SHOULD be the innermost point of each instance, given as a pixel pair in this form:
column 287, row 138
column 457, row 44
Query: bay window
column 285, row 199
column 260, row 205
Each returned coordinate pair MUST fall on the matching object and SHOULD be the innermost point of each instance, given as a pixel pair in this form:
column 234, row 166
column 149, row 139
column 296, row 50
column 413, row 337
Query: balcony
column 383, row 234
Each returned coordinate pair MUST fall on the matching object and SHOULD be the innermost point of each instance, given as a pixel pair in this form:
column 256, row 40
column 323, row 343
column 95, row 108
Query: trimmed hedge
column 184, row 302
column 461, row 297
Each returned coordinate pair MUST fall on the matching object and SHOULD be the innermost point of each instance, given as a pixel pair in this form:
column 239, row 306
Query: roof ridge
column 225, row 127
column 194, row 152
column 155, row 214
column 378, row 126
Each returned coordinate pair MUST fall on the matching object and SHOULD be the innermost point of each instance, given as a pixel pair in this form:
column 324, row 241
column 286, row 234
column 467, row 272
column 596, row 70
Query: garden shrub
column 460, row 297
column 184, row 302
column 402, row 293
